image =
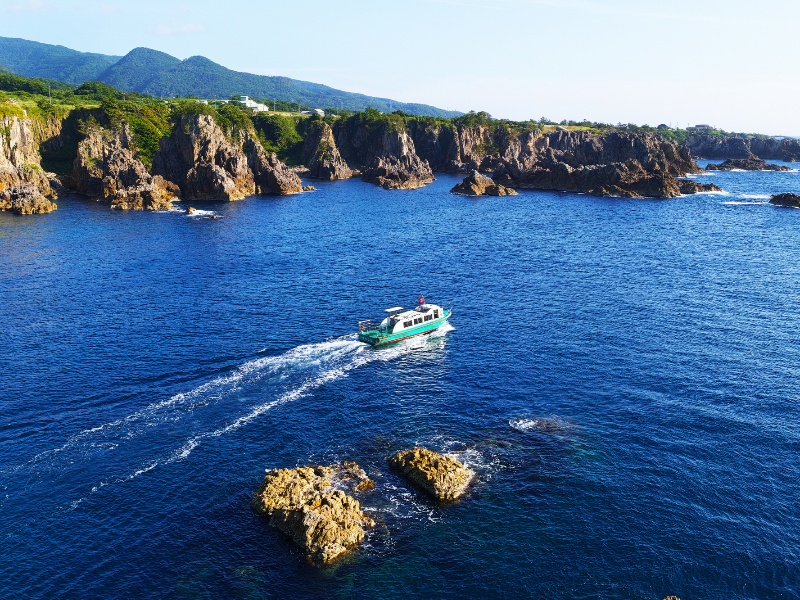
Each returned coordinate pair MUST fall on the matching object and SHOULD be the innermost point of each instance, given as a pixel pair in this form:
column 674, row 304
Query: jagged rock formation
column 271, row 176
column 321, row 155
column 615, row 164
column 477, row 184
column 384, row 156
column 304, row 504
column 725, row 147
column 106, row 168
column 206, row 165
column 746, row 164
column 441, row 476
column 790, row 200
column 456, row 148
column 24, row 187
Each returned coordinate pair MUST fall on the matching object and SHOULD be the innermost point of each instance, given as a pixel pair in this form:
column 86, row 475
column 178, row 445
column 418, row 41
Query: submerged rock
column 441, row 476
column 477, row 184
column 303, row 504
column 792, row 200
column 746, row 164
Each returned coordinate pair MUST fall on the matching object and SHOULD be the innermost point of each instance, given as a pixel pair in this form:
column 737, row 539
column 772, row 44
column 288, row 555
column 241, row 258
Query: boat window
column 428, row 317
column 436, row 314
column 408, row 324
column 416, row 321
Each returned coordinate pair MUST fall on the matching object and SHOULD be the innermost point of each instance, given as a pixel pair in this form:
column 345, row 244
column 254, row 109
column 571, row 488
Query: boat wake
column 169, row 430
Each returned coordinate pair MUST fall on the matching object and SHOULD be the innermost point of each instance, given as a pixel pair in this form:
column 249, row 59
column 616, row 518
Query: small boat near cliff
column 401, row 324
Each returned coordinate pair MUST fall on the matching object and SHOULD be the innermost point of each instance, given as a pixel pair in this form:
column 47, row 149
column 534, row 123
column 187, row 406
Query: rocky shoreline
column 200, row 160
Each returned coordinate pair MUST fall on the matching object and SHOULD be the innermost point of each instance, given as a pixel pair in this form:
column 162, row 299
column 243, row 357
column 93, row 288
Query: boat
column 401, row 324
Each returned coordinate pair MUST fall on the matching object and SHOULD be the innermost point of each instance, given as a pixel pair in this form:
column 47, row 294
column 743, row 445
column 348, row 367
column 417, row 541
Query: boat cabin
column 400, row 320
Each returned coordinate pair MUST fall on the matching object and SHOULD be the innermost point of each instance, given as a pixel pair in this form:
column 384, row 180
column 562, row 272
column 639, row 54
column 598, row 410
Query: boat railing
column 369, row 325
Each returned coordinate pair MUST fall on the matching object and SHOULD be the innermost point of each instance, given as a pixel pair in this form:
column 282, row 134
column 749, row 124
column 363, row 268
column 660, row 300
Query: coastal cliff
column 383, row 151
column 744, row 147
column 524, row 156
column 321, row 154
column 207, row 165
column 106, row 168
column 632, row 165
column 25, row 188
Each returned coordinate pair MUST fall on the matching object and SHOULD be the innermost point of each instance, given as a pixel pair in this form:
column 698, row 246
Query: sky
column 731, row 63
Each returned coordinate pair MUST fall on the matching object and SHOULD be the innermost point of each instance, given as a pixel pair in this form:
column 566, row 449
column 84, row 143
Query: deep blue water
column 622, row 375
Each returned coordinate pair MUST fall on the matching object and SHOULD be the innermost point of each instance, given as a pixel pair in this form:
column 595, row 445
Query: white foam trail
column 219, row 386
column 755, row 196
column 734, row 203
column 362, row 356
column 345, row 353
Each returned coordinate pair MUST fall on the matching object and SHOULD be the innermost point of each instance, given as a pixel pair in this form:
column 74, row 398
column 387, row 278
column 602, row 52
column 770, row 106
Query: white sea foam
column 755, row 196
column 551, row 424
column 743, row 203
column 198, row 213
column 320, row 364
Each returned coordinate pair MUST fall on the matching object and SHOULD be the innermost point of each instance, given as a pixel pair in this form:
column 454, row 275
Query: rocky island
column 305, row 504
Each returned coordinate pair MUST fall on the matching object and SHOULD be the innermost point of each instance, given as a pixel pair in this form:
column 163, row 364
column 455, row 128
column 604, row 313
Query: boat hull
column 376, row 337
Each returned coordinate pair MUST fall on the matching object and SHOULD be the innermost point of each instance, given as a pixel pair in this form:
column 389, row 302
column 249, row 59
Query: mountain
column 156, row 73
column 46, row 61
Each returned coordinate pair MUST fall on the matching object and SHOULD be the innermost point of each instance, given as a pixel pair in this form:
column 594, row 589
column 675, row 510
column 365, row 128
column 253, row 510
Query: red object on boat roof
column 421, row 300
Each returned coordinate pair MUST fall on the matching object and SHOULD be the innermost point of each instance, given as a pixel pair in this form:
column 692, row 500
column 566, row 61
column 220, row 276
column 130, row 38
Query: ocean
column 621, row 374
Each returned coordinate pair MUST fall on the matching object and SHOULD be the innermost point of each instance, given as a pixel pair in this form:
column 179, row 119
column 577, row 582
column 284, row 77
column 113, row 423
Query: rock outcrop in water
column 477, row 184
column 206, row 165
column 790, row 200
column 385, row 156
column 24, row 186
column 687, row 186
column 321, row 154
column 440, row 476
column 304, row 504
column 746, row 164
column 106, row 168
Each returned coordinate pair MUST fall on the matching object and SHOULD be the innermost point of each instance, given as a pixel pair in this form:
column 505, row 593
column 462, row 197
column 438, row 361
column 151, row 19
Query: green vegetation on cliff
column 61, row 112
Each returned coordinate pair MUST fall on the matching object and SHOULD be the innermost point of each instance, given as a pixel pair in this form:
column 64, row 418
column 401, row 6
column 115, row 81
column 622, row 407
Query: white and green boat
column 402, row 324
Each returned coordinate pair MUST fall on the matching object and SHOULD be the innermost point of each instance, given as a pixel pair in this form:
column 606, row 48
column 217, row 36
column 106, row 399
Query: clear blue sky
column 730, row 63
